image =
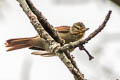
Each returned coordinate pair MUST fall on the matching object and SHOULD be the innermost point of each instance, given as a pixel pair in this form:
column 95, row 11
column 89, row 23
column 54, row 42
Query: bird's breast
column 67, row 37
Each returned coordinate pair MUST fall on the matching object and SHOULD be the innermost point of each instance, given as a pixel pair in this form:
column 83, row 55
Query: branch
column 34, row 20
column 48, row 27
column 99, row 29
column 93, row 34
column 81, row 47
column 52, row 45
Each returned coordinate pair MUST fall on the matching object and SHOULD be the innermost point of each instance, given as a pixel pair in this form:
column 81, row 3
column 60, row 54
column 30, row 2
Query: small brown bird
column 69, row 34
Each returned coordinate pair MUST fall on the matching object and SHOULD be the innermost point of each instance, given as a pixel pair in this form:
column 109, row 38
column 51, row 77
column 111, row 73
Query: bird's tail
column 17, row 43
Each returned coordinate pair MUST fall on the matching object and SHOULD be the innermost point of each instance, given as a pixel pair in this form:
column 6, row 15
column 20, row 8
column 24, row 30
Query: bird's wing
column 60, row 29
column 63, row 29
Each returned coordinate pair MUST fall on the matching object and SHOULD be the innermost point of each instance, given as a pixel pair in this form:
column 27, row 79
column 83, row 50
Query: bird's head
column 78, row 28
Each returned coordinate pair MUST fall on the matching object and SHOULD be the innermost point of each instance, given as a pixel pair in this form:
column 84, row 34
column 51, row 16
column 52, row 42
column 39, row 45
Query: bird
column 67, row 33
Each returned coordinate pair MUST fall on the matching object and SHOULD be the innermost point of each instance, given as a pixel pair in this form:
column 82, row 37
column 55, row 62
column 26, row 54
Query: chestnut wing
column 63, row 29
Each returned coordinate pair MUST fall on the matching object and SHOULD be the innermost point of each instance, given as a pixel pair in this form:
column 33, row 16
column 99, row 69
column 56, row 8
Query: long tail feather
column 18, row 43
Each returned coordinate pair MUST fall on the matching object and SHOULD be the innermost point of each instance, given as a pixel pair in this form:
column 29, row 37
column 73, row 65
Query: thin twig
column 81, row 47
column 93, row 34
column 99, row 29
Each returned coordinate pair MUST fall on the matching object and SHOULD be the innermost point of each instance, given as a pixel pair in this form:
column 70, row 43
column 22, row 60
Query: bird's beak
column 85, row 29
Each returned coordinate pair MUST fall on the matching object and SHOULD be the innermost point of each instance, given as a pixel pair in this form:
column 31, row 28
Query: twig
column 93, row 34
column 99, row 29
column 81, row 47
